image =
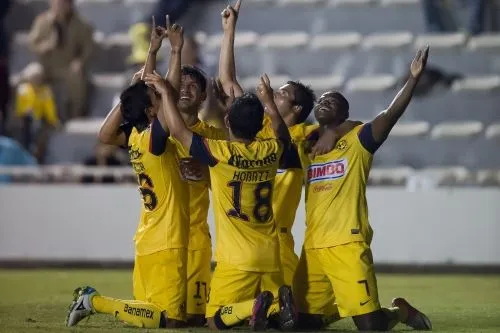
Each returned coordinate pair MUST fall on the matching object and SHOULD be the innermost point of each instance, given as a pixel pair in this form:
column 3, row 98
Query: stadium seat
column 106, row 86
column 447, row 175
column 321, row 84
column 493, row 131
column 84, row 126
column 334, row 3
column 479, row 83
column 68, row 148
column 440, row 41
column 387, row 3
column 392, row 176
column 488, row 177
column 456, row 129
column 242, row 39
column 407, row 128
column 250, row 83
column 371, row 83
column 298, row 2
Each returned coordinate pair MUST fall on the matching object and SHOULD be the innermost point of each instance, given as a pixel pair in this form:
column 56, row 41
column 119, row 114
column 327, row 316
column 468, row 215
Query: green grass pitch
column 37, row 300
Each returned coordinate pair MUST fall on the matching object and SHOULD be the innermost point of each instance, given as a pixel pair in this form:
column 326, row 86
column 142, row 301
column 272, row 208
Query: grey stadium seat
column 67, row 148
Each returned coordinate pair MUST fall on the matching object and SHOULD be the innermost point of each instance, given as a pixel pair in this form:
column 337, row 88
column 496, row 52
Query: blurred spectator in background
column 13, row 154
column 105, row 155
column 36, row 108
column 140, row 32
column 63, row 42
column 440, row 16
column 4, row 66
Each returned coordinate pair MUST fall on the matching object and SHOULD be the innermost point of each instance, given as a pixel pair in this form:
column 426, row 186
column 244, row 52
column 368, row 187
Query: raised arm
column 157, row 35
column 382, row 125
column 227, row 67
column 110, row 132
column 176, row 37
column 175, row 123
column 266, row 97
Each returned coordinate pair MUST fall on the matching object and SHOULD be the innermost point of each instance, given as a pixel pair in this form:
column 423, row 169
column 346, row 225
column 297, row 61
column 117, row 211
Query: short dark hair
column 303, row 96
column 342, row 103
column 197, row 74
column 245, row 116
column 134, row 102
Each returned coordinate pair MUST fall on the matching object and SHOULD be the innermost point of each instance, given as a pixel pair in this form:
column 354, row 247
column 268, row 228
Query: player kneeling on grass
column 242, row 172
column 335, row 276
column 161, row 238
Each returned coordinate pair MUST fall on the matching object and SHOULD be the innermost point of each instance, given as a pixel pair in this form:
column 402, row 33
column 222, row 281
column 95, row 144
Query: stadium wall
column 72, row 223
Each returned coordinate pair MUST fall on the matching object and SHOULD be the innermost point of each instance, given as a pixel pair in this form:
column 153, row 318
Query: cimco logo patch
column 326, row 171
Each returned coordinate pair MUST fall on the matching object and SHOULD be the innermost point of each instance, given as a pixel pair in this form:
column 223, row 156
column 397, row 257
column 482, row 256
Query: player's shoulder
column 300, row 132
column 206, row 130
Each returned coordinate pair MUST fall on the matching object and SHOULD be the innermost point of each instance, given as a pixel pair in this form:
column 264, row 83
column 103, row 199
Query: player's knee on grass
column 196, row 320
column 170, row 323
column 373, row 321
column 308, row 321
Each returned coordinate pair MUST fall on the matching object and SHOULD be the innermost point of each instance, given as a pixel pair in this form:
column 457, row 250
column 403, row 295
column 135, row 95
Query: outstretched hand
column 137, row 76
column 158, row 83
column 157, row 35
column 175, row 34
column 230, row 16
column 264, row 91
column 419, row 62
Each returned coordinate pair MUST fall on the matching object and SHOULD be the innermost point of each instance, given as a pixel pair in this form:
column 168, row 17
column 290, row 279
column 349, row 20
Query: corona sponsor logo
column 326, row 171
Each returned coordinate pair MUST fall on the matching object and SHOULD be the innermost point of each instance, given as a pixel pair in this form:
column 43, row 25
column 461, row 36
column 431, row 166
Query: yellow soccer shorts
column 289, row 260
column 230, row 286
column 198, row 280
column 160, row 278
column 339, row 278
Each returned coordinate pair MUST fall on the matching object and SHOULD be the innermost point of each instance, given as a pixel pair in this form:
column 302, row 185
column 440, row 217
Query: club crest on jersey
column 326, row 171
column 341, row 145
column 134, row 153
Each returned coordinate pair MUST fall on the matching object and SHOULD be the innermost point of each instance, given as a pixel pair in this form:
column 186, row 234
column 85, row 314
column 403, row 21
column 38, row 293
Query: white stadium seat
column 387, row 40
column 477, row 83
column 109, row 80
column 485, row 42
column 371, row 83
column 342, row 41
column 84, row 125
column 242, row 39
column 324, row 83
column 446, row 174
column 456, row 129
column 440, row 41
column 250, row 83
column 493, row 131
column 350, row 2
column 284, row 40
column 298, row 2
column 390, row 175
column 410, row 128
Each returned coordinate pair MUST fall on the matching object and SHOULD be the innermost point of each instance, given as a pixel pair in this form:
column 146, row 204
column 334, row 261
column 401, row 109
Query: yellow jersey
column 288, row 184
column 242, row 177
column 38, row 101
column 164, row 220
column 199, row 183
column 336, row 207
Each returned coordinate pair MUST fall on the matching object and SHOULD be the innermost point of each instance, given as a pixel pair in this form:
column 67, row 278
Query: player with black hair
column 161, row 238
column 242, row 172
column 335, row 276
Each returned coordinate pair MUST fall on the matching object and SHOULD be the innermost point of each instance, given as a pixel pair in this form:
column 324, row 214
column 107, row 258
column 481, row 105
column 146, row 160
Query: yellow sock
column 274, row 308
column 394, row 315
column 136, row 313
column 235, row 313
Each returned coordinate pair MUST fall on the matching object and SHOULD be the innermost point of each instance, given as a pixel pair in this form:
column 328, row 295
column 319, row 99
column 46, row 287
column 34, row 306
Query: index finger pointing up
column 237, row 6
column 167, row 20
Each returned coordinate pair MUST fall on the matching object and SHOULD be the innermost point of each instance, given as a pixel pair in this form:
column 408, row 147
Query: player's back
column 336, row 208
column 242, row 177
column 164, row 221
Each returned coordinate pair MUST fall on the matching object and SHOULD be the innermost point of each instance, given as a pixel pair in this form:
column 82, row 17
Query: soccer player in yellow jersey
column 242, row 173
column 161, row 238
column 335, row 273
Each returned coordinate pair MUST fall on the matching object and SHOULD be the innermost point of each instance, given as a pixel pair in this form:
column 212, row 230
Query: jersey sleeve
column 200, row 149
column 365, row 136
column 158, row 138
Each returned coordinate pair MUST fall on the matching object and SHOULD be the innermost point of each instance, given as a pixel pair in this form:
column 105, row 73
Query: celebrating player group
column 255, row 166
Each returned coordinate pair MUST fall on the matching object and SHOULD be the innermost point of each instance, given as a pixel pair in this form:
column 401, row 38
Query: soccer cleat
column 81, row 307
column 288, row 311
column 416, row 319
column 258, row 321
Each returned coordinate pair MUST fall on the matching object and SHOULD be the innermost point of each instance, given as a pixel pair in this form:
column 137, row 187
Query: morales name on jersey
column 326, row 171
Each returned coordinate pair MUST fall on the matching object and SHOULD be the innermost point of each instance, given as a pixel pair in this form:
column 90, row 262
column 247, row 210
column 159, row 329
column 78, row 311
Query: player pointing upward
column 336, row 265
column 242, row 174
